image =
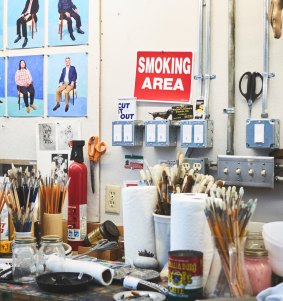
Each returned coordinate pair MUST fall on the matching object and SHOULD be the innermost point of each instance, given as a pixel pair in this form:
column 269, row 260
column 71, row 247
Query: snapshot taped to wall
column 67, row 85
column 25, row 24
column 25, row 86
column 67, row 22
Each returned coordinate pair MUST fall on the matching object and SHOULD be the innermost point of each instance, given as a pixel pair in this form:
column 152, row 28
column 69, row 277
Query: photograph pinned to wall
column 2, row 87
column 48, row 144
column 66, row 132
column 60, row 162
column 25, row 24
column 1, row 24
column 47, row 136
column 67, row 97
column 67, row 22
column 25, row 86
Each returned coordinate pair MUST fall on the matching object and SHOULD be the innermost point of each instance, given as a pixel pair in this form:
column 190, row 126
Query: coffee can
column 185, row 274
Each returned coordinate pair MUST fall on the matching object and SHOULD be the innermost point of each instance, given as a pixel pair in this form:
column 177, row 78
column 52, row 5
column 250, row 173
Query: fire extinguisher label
column 83, row 221
column 77, row 222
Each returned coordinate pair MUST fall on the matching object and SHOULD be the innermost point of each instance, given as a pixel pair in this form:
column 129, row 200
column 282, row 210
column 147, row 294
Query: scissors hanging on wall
column 249, row 81
column 95, row 150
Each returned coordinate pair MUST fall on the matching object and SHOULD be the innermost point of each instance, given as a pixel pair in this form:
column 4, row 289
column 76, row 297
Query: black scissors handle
column 255, row 95
column 250, row 93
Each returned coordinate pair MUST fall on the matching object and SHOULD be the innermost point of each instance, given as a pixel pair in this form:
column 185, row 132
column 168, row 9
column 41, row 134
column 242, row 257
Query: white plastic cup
column 162, row 238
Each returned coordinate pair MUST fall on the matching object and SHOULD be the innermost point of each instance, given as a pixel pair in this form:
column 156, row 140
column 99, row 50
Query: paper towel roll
column 189, row 227
column 139, row 203
column 100, row 273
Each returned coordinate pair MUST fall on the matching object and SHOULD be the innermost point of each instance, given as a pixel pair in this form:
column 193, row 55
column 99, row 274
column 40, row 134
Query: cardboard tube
column 53, row 224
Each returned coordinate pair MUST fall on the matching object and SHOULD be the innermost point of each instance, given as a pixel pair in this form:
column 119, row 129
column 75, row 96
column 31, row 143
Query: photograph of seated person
column 31, row 9
column 68, row 10
column 67, row 83
column 24, row 83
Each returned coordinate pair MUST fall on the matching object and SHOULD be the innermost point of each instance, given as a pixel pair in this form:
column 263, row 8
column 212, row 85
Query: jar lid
column 25, row 240
column 51, row 239
column 254, row 234
column 109, row 230
column 256, row 252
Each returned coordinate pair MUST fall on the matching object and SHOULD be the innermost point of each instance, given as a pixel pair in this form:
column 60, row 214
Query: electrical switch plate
column 127, row 133
column 112, row 198
column 161, row 133
column 246, row 170
column 196, row 133
column 262, row 133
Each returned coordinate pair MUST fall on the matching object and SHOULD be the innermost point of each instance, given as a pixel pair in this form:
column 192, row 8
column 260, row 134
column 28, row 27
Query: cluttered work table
column 32, row 292
column 94, row 293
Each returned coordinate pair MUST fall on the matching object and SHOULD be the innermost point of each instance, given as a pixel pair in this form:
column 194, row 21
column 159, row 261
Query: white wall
column 128, row 26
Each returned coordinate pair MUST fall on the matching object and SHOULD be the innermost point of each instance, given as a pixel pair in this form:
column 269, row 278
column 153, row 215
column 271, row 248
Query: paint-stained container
column 185, row 275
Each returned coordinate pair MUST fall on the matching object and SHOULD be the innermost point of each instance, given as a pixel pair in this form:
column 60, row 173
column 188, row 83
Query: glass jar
column 256, row 260
column 51, row 245
column 228, row 276
column 24, row 259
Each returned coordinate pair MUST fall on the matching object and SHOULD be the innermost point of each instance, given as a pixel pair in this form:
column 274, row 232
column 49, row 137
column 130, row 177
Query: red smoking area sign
column 164, row 76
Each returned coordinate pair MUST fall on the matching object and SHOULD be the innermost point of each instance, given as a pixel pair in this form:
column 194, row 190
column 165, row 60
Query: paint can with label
column 185, row 276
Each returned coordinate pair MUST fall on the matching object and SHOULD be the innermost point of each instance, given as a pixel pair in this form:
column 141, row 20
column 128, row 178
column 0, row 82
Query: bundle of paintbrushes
column 52, row 192
column 177, row 179
column 228, row 216
column 20, row 197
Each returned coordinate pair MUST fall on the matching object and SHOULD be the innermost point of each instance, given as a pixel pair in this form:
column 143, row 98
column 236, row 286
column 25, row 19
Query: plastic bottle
column 77, row 197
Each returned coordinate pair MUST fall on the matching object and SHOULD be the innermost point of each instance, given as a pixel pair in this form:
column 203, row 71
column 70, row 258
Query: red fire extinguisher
column 77, row 196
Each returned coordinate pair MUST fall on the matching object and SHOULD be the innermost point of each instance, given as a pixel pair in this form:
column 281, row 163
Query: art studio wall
column 117, row 30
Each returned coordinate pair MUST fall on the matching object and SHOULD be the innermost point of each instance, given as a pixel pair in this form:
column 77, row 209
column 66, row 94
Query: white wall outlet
column 197, row 166
column 112, row 198
column 185, row 168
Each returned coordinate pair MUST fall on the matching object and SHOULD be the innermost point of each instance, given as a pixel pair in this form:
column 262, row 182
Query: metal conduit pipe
column 231, row 78
column 199, row 77
column 207, row 75
column 264, row 113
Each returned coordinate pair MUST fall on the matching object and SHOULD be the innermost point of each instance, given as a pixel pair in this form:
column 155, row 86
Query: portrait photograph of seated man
column 25, row 24
column 25, row 86
column 67, row 84
column 67, row 22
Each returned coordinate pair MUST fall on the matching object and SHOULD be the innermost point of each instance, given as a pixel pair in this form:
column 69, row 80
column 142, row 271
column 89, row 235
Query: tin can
column 106, row 230
column 185, row 277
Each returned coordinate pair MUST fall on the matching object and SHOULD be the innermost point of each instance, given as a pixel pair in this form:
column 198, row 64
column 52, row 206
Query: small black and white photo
column 66, row 133
column 47, row 136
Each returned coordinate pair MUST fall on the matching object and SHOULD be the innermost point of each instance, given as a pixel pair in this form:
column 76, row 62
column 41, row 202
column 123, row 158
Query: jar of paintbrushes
column 20, row 198
column 228, row 215
column 52, row 194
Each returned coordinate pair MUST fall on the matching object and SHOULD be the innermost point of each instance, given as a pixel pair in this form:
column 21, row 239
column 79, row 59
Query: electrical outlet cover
column 112, row 198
